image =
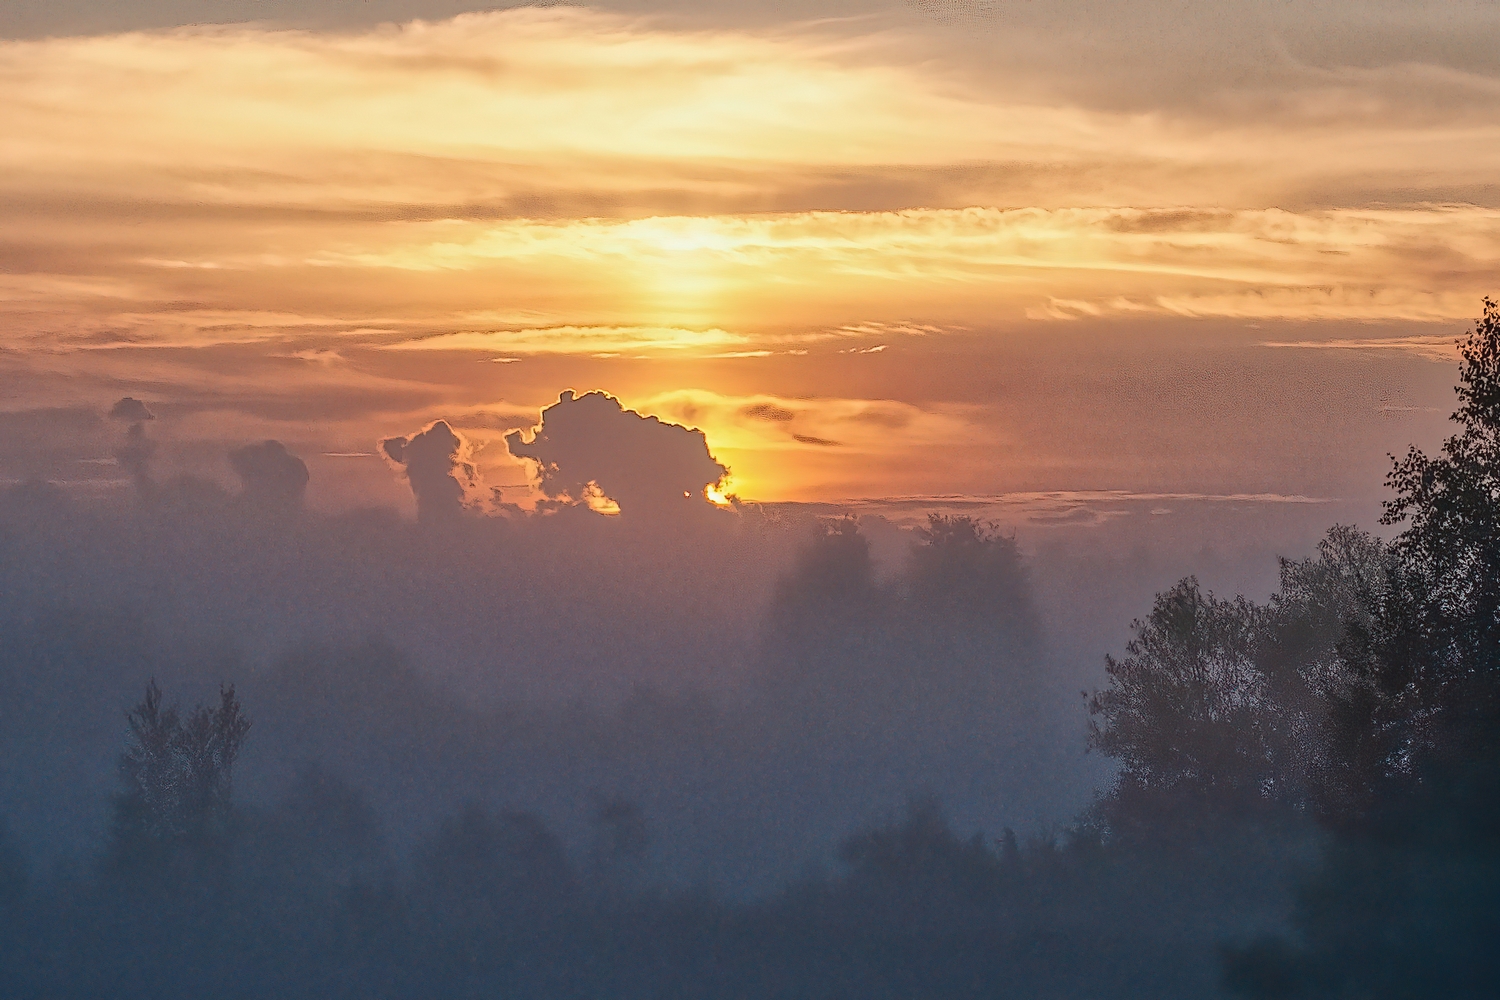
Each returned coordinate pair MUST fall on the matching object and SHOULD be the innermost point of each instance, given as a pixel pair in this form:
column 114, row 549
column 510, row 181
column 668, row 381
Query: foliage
column 178, row 773
column 1450, row 548
column 1186, row 706
column 1229, row 699
column 962, row 568
column 1403, row 905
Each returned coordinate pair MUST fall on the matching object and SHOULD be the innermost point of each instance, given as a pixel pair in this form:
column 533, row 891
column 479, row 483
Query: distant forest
column 1305, row 803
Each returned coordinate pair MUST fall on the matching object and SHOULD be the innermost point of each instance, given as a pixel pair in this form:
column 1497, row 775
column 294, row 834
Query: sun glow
column 719, row 494
column 363, row 215
column 762, row 183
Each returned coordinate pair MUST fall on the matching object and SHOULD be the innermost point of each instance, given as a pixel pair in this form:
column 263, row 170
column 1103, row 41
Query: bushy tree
column 1186, row 707
column 965, row 570
column 177, row 772
column 826, row 614
column 1273, row 702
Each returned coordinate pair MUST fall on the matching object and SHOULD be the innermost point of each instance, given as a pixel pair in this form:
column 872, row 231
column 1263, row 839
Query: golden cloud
column 611, row 185
column 564, row 181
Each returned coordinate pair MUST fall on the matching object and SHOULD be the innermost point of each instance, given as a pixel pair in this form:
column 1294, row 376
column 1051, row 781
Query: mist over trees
column 734, row 753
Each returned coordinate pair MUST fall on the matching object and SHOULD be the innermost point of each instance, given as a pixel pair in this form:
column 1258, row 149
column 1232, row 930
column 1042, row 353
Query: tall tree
column 1404, row 903
column 1442, row 647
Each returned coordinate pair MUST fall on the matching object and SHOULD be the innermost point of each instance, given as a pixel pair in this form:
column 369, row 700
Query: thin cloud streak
column 697, row 284
column 1441, row 349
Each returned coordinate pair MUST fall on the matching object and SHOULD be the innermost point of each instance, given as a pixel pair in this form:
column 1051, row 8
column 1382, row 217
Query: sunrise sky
column 871, row 249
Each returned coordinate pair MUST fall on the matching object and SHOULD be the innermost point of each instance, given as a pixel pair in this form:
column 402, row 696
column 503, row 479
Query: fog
column 586, row 745
column 760, row 680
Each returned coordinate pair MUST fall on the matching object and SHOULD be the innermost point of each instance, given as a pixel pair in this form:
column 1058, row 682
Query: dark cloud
column 1075, row 515
column 271, row 474
column 1171, row 220
column 642, row 463
column 131, row 411
column 135, row 454
column 820, row 442
column 436, row 464
column 769, row 411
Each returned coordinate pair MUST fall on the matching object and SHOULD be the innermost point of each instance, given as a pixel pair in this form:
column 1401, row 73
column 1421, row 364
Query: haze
column 738, row 428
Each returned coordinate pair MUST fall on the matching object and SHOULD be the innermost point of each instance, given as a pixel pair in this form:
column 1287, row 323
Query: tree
column 178, row 774
column 827, row 617
column 964, row 570
column 1279, row 701
column 1404, row 903
column 1442, row 642
column 1331, row 718
column 1185, row 708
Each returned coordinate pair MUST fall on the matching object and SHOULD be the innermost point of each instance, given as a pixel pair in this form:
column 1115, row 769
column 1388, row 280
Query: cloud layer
column 635, row 185
column 316, row 235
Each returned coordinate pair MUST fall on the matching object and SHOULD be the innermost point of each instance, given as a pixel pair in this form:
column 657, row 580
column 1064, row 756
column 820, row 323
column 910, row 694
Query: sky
column 527, row 357
column 872, row 250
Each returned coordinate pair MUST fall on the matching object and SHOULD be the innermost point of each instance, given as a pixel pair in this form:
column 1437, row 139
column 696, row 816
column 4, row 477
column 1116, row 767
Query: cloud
column 437, row 465
column 768, row 411
column 1426, row 263
column 131, row 411
column 767, row 421
column 134, row 455
column 845, row 166
column 1433, row 348
column 1058, row 507
column 820, row 446
column 642, row 463
column 468, row 189
column 272, row 476
column 598, row 341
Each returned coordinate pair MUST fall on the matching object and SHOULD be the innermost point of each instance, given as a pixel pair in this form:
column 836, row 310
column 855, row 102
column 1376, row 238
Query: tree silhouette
column 1404, row 903
column 1442, row 646
column 1330, row 732
column 1283, row 702
column 966, row 570
column 178, row 773
column 1185, row 709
